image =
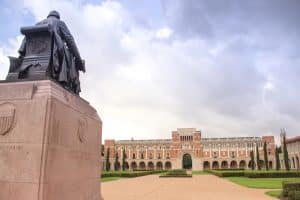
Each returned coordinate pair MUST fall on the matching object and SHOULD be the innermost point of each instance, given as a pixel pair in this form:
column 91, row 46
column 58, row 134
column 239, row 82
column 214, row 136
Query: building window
column 142, row 155
column 215, row 154
column 233, row 154
column 133, row 156
column 159, row 156
column 168, row 156
column 150, row 156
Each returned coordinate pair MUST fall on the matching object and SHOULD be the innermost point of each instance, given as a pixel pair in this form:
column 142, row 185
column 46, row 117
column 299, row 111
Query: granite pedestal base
column 50, row 143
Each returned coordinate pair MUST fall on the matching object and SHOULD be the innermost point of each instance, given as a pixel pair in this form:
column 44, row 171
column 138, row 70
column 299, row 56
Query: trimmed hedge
column 176, row 176
column 229, row 169
column 129, row 174
column 254, row 174
column 181, row 173
column 291, row 190
column 227, row 173
column 272, row 174
column 177, row 172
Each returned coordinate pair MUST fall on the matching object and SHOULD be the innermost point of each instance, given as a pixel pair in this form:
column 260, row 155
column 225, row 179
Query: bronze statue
column 48, row 51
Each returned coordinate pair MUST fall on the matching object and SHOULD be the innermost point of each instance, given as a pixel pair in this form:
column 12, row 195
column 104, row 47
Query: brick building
column 187, row 144
column 293, row 148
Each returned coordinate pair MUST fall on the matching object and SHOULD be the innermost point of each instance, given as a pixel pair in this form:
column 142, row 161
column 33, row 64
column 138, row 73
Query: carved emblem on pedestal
column 82, row 128
column 7, row 118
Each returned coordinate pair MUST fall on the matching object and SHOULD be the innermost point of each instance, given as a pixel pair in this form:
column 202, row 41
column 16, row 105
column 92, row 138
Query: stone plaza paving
column 206, row 187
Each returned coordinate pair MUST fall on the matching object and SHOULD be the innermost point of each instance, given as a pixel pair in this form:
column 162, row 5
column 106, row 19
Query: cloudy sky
column 228, row 68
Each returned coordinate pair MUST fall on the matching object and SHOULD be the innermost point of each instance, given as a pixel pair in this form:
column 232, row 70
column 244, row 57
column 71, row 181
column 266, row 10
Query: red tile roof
column 294, row 139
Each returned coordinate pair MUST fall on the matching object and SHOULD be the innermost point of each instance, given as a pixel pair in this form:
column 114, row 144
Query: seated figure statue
column 48, row 51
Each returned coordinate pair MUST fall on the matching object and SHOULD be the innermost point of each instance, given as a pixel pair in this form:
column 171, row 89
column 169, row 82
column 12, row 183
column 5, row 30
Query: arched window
column 168, row 165
column 242, row 164
column 224, row 165
column 206, row 165
column 215, row 165
column 168, row 156
column 233, row 164
column 150, row 165
column 159, row 165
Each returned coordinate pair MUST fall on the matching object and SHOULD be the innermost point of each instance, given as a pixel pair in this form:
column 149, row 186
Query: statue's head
column 54, row 13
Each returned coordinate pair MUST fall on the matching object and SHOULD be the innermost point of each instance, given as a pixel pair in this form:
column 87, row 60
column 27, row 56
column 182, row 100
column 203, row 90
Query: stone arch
column 159, row 165
column 187, row 162
column 133, row 165
column 142, row 165
column 242, row 164
column 150, row 165
column 215, row 165
column 206, row 165
column 168, row 165
column 233, row 164
column 224, row 164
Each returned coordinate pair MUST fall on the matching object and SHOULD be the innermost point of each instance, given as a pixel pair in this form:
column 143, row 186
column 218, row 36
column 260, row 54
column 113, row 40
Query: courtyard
column 206, row 187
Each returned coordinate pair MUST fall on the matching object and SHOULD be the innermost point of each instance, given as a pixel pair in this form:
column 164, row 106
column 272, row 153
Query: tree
column 107, row 164
column 124, row 156
column 257, row 158
column 266, row 156
column 285, row 155
column 252, row 160
column 102, row 150
column 117, row 164
column 277, row 150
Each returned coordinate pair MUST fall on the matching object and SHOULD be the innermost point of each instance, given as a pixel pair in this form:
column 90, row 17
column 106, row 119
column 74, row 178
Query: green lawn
column 265, row 183
column 274, row 193
column 107, row 179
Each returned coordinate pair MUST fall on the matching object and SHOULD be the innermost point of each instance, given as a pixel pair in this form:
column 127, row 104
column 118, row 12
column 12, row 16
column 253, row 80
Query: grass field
column 274, row 193
column 107, row 179
column 264, row 183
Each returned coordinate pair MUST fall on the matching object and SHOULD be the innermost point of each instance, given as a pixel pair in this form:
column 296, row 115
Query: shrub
column 227, row 173
column 272, row 174
column 176, row 173
column 230, row 169
column 129, row 174
column 297, row 195
column 293, row 195
column 176, row 176
column 291, row 190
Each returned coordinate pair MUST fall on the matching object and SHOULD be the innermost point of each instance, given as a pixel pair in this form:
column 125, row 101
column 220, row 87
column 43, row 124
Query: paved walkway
column 206, row 187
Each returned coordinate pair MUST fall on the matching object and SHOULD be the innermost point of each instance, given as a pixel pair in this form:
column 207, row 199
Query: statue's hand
column 80, row 65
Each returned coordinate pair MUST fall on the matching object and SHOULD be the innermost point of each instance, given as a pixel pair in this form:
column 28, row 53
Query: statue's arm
column 67, row 36
column 22, row 49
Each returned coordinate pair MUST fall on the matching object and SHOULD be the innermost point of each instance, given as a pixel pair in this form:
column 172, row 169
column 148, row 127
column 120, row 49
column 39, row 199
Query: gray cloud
column 229, row 68
column 256, row 40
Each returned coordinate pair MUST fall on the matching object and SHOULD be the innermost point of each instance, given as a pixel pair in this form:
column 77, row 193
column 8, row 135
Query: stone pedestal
column 50, row 143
